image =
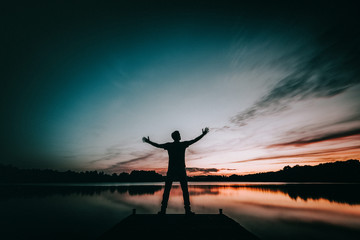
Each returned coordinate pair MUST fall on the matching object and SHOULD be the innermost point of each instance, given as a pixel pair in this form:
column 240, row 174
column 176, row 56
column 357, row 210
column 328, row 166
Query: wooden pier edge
column 178, row 226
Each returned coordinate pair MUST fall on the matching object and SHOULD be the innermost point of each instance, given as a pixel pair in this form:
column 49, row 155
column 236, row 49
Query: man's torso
column 176, row 151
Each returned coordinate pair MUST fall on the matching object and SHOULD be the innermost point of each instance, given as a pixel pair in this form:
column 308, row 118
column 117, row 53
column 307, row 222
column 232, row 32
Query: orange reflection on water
column 261, row 202
column 242, row 201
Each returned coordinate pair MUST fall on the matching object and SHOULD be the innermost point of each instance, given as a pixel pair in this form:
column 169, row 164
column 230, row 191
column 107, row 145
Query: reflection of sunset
column 269, row 210
column 245, row 200
column 261, row 208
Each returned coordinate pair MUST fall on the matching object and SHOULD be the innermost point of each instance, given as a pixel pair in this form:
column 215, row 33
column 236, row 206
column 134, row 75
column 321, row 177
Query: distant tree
column 286, row 168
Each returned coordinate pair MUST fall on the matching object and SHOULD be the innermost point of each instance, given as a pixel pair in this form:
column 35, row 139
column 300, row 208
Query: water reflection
column 270, row 211
column 340, row 193
column 29, row 191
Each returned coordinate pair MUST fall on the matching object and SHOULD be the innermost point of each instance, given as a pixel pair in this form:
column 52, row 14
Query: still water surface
column 269, row 210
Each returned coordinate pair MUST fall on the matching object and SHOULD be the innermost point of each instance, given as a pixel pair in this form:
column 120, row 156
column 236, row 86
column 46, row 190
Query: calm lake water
column 269, row 210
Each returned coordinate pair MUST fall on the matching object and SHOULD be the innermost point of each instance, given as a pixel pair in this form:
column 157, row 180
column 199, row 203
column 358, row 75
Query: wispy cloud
column 328, row 69
column 317, row 139
column 126, row 165
column 320, row 153
column 137, row 159
column 110, row 153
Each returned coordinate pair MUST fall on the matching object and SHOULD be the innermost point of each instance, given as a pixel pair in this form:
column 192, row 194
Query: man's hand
column 205, row 131
column 147, row 140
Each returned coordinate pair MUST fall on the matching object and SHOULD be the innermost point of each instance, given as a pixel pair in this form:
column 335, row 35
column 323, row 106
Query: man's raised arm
column 147, row 140
column 204, row 132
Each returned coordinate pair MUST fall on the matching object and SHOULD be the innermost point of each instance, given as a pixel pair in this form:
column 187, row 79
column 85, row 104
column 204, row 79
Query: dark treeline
column 341, row 171
column 10, row 174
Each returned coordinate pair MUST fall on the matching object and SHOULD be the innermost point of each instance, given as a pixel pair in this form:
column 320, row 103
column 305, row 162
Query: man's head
column 176, row 136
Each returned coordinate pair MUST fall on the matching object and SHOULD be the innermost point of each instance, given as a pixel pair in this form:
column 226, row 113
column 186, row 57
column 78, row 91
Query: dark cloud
column 228, row 169
column 121, row 166
column 316, row 139
column 110, row 153
column 137, row 159
column 202, row 170
column 308, row 154
column 329, row 68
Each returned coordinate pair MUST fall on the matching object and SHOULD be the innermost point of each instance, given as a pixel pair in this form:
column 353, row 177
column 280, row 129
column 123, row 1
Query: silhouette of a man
column 176, row 168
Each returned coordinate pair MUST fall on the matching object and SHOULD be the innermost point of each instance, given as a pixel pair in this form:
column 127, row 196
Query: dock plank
column 178, row 226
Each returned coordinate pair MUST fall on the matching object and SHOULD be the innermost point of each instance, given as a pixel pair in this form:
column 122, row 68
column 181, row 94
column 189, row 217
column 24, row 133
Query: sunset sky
column 82, row 83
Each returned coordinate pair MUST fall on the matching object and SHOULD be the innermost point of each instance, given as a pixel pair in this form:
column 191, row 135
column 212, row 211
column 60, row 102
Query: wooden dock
column 178, row 226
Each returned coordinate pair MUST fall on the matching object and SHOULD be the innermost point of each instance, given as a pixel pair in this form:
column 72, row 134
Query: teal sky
column 83, row 83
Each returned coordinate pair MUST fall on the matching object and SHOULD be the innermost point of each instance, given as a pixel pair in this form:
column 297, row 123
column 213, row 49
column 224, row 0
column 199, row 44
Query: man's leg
column 168, row 184
column 184, row 187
